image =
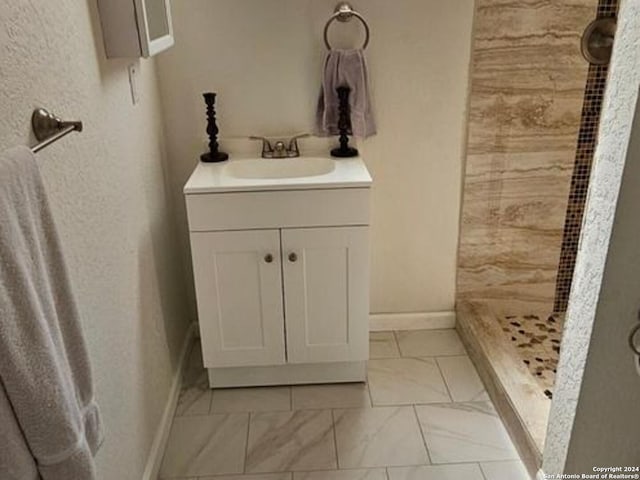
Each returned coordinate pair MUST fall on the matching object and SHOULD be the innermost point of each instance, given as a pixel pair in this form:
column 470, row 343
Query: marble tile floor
column 423, row 415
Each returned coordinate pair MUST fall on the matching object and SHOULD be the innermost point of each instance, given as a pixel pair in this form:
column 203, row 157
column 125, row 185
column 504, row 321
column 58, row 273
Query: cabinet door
column 239, row 291
column 326, row 287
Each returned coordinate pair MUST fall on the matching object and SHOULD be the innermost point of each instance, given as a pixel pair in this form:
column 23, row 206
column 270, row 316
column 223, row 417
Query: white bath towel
column 345, row 68
column 53, row 426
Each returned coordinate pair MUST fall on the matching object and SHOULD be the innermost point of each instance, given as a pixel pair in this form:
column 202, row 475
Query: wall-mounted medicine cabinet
column 135, row 28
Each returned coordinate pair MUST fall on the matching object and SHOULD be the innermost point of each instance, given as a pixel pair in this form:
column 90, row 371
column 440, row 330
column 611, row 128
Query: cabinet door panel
column 326, row 294
column 239, row 297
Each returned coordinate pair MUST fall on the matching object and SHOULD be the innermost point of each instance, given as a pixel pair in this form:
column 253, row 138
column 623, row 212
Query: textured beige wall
column 594, row 420
column 527, row 84
column 107, row 190
column 264, row 59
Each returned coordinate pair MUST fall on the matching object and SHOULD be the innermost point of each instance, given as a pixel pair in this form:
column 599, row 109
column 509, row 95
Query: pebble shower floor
column 537, row 341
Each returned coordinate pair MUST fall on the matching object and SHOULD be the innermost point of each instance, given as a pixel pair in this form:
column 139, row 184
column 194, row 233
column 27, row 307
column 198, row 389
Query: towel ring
column 344, row 12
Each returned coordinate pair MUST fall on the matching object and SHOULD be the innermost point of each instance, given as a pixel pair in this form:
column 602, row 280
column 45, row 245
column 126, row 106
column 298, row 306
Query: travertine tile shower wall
column 527, row 86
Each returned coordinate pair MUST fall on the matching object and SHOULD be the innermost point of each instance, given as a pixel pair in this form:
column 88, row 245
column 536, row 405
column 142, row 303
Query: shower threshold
column 517, row 394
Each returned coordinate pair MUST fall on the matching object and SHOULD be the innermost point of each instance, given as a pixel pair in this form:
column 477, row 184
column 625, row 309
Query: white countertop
column 214, row 178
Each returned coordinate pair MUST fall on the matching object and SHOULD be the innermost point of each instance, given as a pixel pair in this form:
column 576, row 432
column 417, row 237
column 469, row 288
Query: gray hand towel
column 345, row 68
column 53, row 425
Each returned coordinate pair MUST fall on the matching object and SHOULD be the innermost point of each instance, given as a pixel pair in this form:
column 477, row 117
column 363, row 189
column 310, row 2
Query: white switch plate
column 133, row 83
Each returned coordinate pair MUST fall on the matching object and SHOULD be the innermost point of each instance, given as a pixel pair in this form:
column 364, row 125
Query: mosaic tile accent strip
column 536, row 338
column 592, row 106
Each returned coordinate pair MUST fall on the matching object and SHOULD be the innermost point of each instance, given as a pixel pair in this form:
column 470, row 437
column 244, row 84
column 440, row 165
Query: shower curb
column 497, row 373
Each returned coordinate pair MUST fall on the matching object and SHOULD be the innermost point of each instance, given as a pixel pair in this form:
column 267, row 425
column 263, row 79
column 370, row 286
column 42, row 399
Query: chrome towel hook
column 344, row 12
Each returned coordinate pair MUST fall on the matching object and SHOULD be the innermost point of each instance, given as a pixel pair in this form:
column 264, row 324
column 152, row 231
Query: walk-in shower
column 533, row 117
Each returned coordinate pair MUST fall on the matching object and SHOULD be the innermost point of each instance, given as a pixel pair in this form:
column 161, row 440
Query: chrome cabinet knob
column 268, row 258
column 293, row 257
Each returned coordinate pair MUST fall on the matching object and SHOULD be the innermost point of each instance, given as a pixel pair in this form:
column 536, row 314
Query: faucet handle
column 293, row 144
column 266, row 144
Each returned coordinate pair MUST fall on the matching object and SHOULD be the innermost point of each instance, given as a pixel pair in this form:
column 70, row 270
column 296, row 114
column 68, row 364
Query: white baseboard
column 154, row 459
column 379, row 322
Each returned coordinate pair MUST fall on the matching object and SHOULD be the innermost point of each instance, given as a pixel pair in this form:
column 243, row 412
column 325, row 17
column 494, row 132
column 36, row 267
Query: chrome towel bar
column 344, row 12
column 49, row 129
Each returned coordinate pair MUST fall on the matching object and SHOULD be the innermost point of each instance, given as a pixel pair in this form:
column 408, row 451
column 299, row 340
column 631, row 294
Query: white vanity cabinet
column 282, row 278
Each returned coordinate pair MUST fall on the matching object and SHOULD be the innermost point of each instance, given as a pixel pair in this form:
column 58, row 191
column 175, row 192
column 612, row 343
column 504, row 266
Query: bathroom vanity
column 280, row 252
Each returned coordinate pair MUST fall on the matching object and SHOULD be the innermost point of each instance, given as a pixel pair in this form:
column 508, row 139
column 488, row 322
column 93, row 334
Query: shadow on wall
column 160, row 315
column 111, row 71
column 161, row 309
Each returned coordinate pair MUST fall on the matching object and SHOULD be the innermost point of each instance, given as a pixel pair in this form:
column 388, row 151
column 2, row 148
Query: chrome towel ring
column 344, row 12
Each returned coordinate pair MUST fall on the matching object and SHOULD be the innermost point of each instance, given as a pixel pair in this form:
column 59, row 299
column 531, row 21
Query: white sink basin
column 280, row 167
column 249, row 174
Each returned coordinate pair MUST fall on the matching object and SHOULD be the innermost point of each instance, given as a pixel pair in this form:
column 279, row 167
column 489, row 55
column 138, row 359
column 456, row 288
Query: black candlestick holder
column 344, row 125
column 213, row 155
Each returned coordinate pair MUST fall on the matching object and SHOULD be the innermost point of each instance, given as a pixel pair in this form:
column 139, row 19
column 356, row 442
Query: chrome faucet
column 280, row 149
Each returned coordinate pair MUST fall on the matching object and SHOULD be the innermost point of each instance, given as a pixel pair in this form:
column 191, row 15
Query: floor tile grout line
column 246, row 447
column 369, row 394
column 442, row 355
column 396, row 343
column 291, row 398
column 211, row 401
column 449, row 404
column 424, row 439
column 484, row 475
column 354, row 407
column 452, row 404
column 336, row 407
column 353, row 469
column 369, row 391
column 335, row 438
column 444, row 379
column 348, row 469
column 432, row 363
column 463, row 462
column 395, row 336
column 500, row 461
